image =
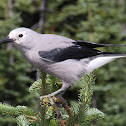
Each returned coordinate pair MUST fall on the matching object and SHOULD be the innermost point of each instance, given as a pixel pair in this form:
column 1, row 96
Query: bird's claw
column 45, row 96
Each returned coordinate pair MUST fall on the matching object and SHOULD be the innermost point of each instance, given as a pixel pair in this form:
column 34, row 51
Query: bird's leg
column 64, row 103
column 61, row 90
column 52, row 94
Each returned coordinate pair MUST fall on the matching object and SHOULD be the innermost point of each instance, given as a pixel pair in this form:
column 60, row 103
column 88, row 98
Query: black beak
column 6, row 40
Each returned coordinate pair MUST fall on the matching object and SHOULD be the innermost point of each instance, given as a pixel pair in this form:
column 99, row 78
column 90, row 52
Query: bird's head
column 20, row 36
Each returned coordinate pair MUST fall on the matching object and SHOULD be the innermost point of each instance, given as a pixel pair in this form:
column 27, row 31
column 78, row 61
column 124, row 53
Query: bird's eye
column 20, row 35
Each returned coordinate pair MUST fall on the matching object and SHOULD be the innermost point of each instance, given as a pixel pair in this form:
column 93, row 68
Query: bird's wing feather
column 72, row 52
column 92, row 44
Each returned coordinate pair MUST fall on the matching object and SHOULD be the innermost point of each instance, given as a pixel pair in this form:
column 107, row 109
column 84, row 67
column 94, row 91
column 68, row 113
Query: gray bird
column 60, row 56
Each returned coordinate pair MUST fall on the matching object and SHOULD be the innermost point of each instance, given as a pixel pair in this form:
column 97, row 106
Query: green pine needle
column 10, row 111
column 22, row 121
column 36, row 86
column 93, row 114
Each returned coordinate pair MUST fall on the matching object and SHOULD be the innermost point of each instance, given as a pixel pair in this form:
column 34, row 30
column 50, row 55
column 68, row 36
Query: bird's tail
column 103, row 59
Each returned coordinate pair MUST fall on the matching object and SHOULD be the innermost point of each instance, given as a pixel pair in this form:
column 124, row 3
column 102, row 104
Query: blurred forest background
column 100, row 21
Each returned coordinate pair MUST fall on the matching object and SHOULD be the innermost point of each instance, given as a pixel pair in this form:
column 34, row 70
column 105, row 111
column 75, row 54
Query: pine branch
column 86, row 91
column 36, row 87
column 10, row 111
column 22, row 121
column 82, row 112
column 52, row 84
column 93, row 114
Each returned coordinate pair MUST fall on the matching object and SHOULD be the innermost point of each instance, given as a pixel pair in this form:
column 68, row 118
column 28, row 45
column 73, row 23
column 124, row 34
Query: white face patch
column 20, row 35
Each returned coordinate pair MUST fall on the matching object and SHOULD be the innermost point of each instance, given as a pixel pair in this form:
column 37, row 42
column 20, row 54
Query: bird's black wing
column 92, row 44
column 72, row 52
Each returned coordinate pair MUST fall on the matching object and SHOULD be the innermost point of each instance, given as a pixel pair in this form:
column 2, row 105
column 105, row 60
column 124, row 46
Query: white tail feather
column 100, row 61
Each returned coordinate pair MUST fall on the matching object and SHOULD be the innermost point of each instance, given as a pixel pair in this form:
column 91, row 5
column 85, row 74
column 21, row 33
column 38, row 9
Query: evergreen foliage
column 22, row 121
column 9, row 111
column 82, row 111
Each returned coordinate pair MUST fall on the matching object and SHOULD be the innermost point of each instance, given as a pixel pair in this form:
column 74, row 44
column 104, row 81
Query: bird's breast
column 34, row 59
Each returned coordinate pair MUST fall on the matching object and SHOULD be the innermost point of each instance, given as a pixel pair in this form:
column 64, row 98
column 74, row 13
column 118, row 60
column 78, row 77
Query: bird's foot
column 46, row 96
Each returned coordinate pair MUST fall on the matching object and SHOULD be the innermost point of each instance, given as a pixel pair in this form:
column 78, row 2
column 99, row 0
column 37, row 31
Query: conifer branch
column 36, row 87
column 93, row 114
column 10, row 111
column 22, row 121
column 81, row 114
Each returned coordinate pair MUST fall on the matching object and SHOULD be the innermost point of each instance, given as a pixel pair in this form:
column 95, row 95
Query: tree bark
column 10, row 46
column 42, row 15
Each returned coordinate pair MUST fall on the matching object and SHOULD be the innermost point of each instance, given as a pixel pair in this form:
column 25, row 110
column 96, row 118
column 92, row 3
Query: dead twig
column 62, row 101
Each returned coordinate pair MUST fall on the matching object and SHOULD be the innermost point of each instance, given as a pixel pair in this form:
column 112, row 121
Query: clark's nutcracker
column 60, row 56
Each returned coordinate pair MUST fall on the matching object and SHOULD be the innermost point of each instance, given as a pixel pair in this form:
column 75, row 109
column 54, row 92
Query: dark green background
column 100, row 21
